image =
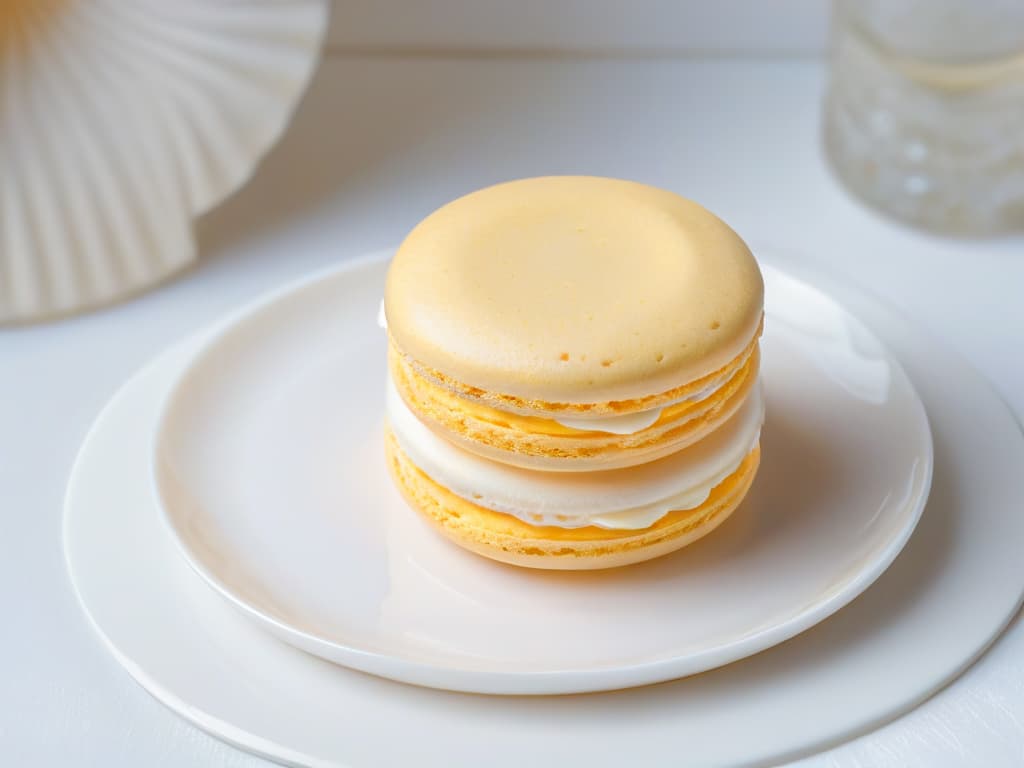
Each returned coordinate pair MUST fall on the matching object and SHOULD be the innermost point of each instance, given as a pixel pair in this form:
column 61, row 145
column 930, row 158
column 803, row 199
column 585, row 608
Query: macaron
column 573, row 371
column 573, row 323
column 579, row 520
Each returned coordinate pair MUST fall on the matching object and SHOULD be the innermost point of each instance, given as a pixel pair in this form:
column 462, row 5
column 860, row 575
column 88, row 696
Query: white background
column 384, row 138
column 634, row 27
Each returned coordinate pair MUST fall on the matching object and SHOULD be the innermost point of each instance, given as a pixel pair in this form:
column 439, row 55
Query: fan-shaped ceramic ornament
column 120, row 121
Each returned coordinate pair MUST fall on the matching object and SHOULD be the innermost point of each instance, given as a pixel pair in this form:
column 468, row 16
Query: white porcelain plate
column 269, row 464
column 878, row 657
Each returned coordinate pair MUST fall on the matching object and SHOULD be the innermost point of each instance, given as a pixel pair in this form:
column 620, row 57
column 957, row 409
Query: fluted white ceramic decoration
column 120, row 121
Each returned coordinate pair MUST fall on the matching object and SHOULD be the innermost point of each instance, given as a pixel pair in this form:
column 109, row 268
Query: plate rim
column 469, row 679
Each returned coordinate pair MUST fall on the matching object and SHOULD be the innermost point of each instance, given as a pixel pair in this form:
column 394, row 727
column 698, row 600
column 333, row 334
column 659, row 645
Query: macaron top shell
column 573, row 289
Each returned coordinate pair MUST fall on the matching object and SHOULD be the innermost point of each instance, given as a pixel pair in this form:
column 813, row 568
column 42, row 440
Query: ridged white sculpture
column 120, row 121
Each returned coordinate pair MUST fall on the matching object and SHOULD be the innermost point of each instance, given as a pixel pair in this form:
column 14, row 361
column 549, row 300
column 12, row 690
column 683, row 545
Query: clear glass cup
column 924, row 116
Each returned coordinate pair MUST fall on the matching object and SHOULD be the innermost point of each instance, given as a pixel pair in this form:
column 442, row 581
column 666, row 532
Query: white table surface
column 377, row 144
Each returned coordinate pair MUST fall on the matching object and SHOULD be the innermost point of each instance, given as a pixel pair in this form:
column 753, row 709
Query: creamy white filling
column 626, row 424
column 631, row 423
column 631, row 499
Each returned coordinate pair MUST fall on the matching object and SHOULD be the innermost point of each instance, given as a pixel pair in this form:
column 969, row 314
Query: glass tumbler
column 924, row 115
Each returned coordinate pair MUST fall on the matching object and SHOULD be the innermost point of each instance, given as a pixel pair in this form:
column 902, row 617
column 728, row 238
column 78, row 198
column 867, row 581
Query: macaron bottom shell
column 507, row 539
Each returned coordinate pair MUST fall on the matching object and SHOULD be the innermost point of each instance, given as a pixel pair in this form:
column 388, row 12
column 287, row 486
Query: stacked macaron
column 573, row 371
